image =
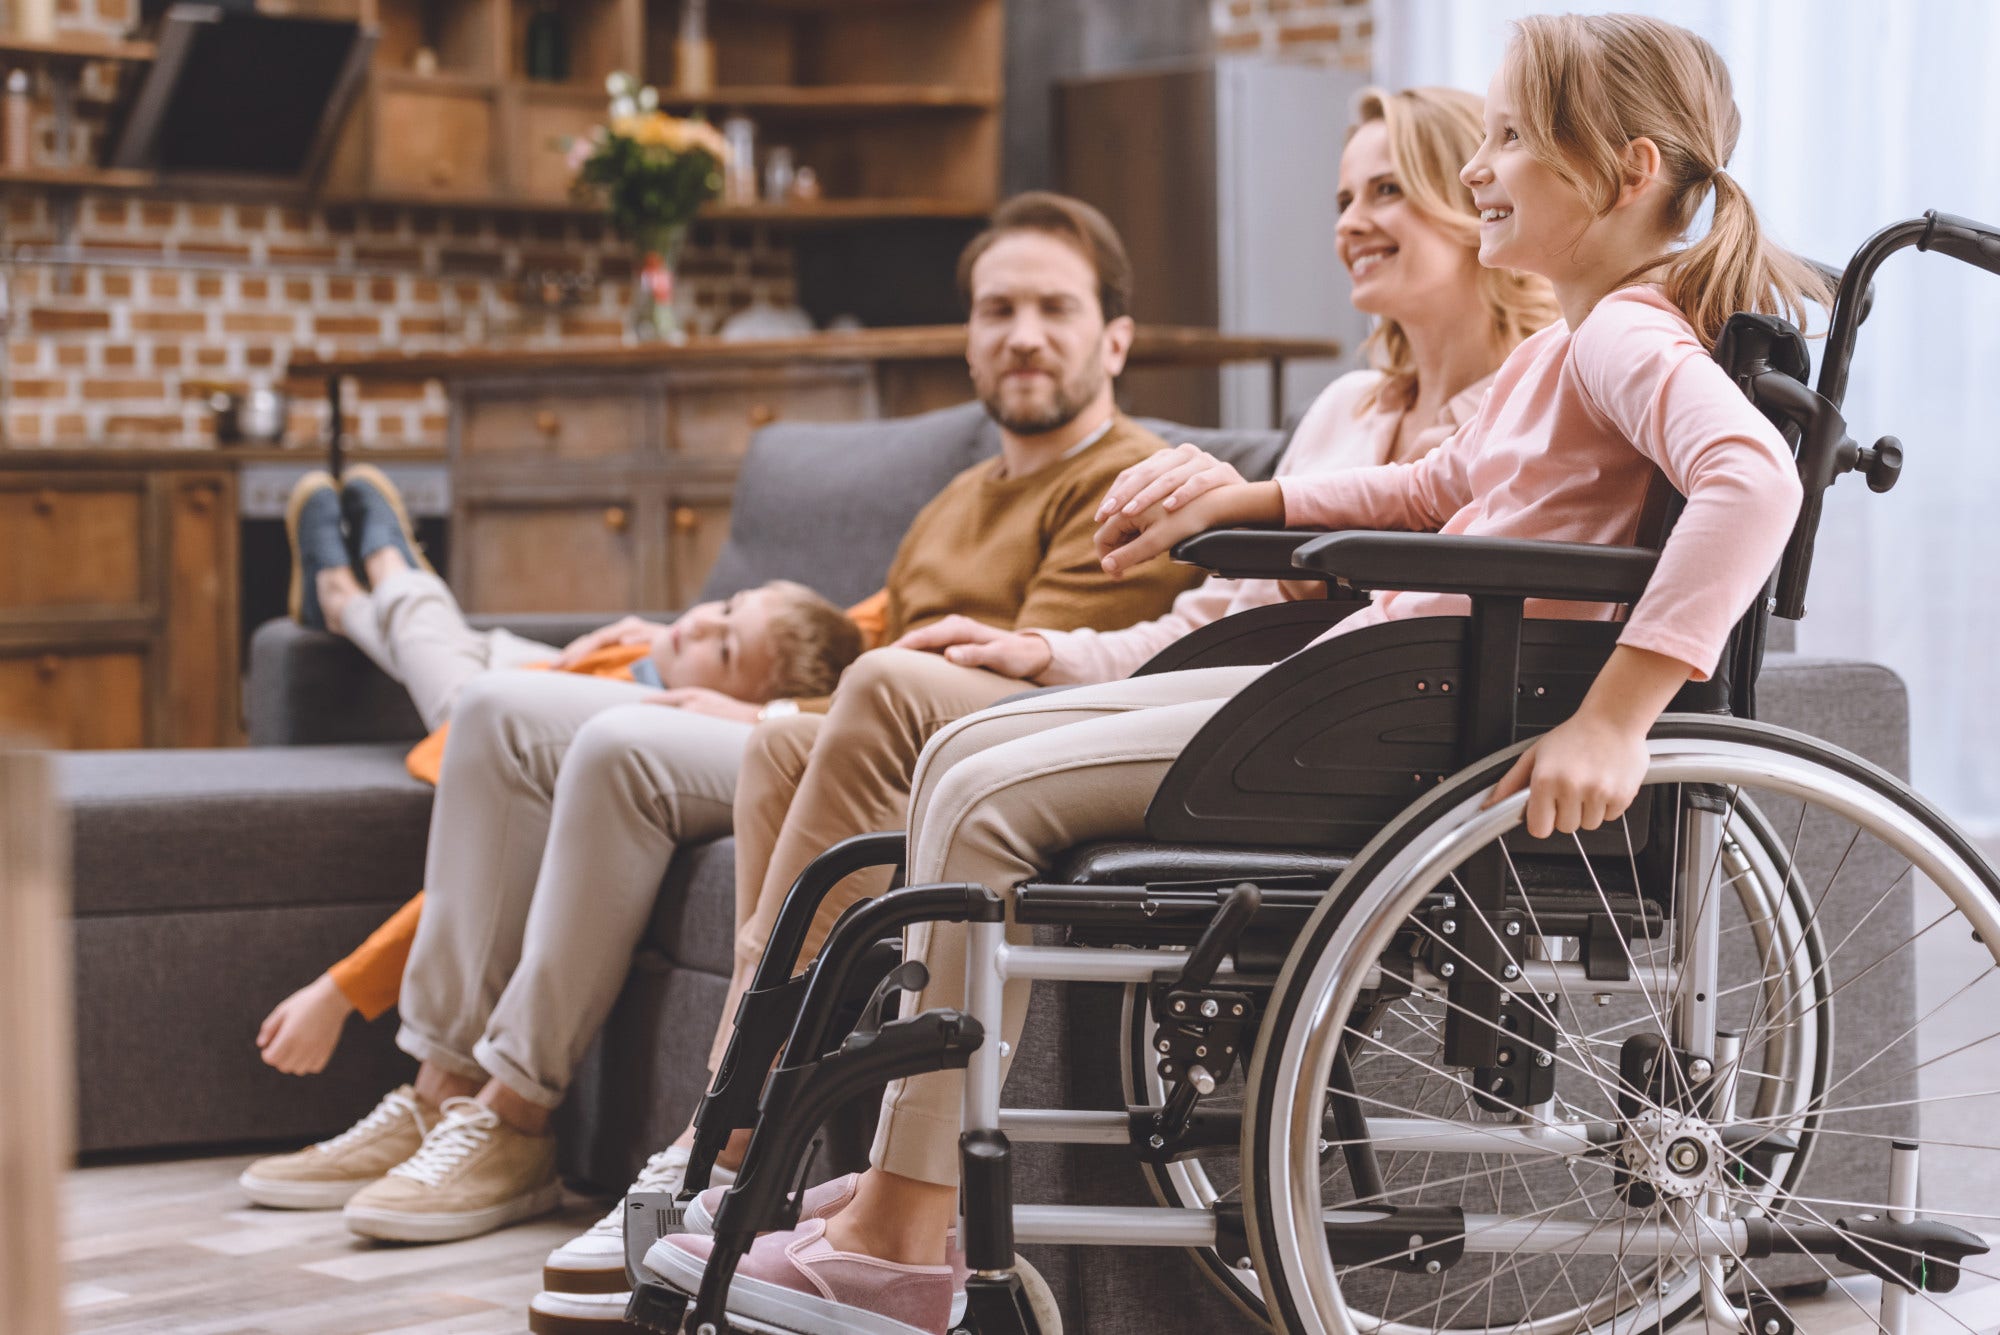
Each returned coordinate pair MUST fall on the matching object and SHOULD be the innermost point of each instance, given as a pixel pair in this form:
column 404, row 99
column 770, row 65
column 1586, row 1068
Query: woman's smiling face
column 1404, row 267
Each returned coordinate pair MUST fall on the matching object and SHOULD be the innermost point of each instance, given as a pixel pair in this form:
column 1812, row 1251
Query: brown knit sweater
column 1016, row 552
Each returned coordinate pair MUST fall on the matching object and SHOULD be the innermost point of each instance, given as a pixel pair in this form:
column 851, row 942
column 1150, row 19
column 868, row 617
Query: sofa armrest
column 309, row 688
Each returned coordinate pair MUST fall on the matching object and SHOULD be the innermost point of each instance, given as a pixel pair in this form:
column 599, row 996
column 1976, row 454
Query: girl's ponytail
column 1735, row 268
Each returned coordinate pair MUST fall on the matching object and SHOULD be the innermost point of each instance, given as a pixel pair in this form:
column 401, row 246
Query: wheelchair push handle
column 1976, row 243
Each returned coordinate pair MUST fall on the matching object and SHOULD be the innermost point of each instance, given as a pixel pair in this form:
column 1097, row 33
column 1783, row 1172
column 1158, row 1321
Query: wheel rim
column 1331, row 985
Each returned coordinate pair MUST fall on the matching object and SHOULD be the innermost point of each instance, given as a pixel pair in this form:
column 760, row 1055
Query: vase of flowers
column 652, row 172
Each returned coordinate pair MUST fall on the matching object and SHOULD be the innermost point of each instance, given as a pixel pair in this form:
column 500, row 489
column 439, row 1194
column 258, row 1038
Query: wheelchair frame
column 1515, row 679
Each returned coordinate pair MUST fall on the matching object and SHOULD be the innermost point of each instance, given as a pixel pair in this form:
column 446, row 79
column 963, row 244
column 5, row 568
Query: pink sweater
column 1565, row 447
column 1332, row 436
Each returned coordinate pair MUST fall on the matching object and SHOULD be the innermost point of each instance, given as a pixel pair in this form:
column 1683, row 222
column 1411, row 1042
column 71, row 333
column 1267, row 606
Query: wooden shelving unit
column 894, row 104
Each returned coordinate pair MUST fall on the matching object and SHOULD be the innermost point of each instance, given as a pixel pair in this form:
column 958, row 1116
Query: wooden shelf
column 835, row 98
column 444, row 81
column 19, row 50
column 825, row 211
column 78, row 178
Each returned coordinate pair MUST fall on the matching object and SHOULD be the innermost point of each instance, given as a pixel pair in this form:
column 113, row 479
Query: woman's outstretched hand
column 1587, row 769
column 1125, row 540
column 1170, row 479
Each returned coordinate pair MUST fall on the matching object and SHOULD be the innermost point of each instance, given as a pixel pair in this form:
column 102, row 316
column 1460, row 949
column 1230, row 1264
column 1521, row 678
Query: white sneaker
column 326, row 1175
column 578, row 1313
column 594, row 1261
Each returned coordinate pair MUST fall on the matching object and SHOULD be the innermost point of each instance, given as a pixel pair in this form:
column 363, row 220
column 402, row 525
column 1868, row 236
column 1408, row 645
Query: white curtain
column 1856, row 114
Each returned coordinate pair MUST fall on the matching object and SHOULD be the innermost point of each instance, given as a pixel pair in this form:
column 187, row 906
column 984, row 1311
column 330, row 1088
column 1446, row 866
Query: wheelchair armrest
column 1247, row 553
column 1492, row 567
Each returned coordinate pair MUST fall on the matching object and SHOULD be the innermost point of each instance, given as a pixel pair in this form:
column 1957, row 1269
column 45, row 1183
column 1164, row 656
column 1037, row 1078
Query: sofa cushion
column 694, row 918
column 826, row 503
column 297, row 826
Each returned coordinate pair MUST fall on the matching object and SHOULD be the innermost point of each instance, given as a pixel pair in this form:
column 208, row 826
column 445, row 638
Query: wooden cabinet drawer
column 566, row 422
column 71, row 546
column 88, row 699
column 697, row 526
column 433, row 142
column 560, row 556
column 717, row 414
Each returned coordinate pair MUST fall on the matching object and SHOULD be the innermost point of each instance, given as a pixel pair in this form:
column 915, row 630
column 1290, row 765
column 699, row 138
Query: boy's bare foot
column 336, row 587
column 299, row 1035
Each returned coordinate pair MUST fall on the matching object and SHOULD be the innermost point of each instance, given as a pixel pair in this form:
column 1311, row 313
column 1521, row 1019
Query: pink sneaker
column 798, row 1282
column 821, row 1202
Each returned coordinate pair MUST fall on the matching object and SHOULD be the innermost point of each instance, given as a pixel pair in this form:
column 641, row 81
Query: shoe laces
column 395, row 1106
column 467, row 1126
column 665, row 1171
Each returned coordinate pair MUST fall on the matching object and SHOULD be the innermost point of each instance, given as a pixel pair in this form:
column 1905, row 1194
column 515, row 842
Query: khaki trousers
column 811, row 780
column 560, row 802
column 411, row 626
column 998, row 797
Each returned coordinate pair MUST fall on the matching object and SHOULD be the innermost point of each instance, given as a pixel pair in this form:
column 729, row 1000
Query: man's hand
column 701, row 700
column 1170, row 479
column 970, row 643
column 626, row 630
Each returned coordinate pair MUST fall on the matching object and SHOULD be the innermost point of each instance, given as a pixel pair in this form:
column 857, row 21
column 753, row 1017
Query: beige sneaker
column 473, row 1174
column 323, row 1176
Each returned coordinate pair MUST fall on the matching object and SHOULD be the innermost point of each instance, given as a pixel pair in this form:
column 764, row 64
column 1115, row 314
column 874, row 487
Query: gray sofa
column 209, row 884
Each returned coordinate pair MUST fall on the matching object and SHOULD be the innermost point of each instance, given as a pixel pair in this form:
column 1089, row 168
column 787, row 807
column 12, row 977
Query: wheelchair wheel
column 1775, row 916
column 1597, row 1173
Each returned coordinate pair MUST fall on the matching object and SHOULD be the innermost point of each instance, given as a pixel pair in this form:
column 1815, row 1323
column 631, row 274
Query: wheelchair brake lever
column 909, row 976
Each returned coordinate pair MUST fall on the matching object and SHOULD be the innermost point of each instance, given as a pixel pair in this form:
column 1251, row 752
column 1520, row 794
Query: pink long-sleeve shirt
column 1337, row 432
column 1564, row 448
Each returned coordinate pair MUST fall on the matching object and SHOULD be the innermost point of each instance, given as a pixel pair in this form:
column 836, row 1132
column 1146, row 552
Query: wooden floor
column 174, row 1247
column 171, row 1247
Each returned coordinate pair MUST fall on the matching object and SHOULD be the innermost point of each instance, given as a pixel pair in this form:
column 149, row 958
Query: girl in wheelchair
column 1604, row 136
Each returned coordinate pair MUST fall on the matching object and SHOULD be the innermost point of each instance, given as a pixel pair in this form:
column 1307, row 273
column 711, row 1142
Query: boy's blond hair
column 812, row 642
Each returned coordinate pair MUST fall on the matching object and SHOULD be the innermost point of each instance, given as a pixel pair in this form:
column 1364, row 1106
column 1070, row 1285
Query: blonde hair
column 1585, row 87
column 1432, row 134
column 812, row 642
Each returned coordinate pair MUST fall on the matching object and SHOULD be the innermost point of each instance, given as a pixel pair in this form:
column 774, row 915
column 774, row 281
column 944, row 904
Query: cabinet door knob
column 547, row 422
column 441, row 172
column 45, row 502
column 763, row 414
column 616, row 519
column 47, row 666
column 686, row 519
column 197, row 500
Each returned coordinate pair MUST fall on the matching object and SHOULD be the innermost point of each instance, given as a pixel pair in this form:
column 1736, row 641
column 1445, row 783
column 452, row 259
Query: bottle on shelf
column 20, row 113
column 548, row 44
column 739, row 177
column 694, row 52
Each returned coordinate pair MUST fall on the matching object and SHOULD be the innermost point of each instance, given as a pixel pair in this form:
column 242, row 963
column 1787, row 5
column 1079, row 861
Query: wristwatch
column 777, row 709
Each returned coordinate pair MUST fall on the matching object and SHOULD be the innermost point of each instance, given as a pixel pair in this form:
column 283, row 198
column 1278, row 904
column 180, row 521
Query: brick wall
column 1334, row 32
column 176, row 293
column 115, row 353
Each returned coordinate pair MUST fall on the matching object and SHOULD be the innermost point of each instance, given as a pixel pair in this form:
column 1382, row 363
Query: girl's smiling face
column 1530, row 218
column 1404, row 266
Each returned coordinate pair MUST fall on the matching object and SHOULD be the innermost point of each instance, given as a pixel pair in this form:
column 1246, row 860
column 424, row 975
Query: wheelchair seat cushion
column 1146, row 863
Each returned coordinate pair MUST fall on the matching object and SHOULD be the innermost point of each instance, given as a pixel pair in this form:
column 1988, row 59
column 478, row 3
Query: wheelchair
column 1392, row 1065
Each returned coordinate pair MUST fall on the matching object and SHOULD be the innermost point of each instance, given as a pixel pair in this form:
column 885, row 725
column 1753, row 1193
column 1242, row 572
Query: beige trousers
column 561, row 801
column 998, row 797
column 811, row 780
column 411, row 627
